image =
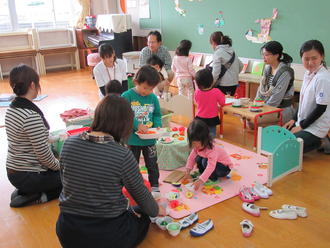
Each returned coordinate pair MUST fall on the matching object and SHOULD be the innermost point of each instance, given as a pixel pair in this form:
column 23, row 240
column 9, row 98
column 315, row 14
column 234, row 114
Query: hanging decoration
column 265, row 27
column 219, row 21
column 200, row 29
column 181, row 11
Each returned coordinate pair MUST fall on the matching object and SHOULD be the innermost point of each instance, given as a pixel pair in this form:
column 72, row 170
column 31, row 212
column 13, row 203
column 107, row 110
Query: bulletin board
column 297, row 21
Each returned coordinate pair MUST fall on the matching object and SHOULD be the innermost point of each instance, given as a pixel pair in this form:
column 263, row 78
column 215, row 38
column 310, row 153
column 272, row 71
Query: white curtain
column 85, row 11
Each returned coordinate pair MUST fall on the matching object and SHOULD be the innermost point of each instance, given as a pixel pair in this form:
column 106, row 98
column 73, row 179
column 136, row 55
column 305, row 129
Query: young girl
column 276, row 86
column 312, row 122
column 226, row 65
column 183, row 68
column 212, row 161
column 208, row 99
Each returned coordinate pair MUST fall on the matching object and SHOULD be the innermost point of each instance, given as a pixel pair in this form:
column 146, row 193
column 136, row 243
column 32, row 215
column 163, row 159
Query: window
column 18, row 15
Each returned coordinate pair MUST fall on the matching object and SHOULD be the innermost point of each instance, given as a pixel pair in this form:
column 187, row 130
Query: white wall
column 104, row 7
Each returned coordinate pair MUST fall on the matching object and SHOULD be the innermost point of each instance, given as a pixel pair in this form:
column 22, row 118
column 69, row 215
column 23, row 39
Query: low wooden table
column 245, row 113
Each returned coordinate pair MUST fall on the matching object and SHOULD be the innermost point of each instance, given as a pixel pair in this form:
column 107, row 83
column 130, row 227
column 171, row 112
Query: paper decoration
column 257, row 68
column 144, row 11
column 265, row 27
column 200, row 29
column 181, row 11
column 197, row 58
column 219, row 22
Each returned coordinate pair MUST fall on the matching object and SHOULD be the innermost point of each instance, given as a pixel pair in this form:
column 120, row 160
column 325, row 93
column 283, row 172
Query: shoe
column 259, row 185
column 14, row 194
column 22, row 200
column 260, row 191
column 247, row 227
column 283, row 214
column 245, row 195
column 202, row 228
column 156, row 195
column 301, row 212
column 254, row 194
column 189, row 220
column 252, row 208
column 155, row 189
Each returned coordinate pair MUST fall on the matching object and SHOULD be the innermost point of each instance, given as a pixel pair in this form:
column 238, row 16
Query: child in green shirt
column 147, row 114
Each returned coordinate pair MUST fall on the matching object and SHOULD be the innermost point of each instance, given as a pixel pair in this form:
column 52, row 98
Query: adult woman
column 31, row 166
column 109, row 68
column 95, row 167
column 225, row 66
column 312, row 121
column 276, row 86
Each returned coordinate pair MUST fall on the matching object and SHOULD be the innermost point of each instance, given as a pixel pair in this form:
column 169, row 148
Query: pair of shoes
column 300, row 211
column 252, row 208
column 245, row 195
column 247, row 227
column 283, row 214
column 22, row 200
column 262, row 190
column 202, row 228
column 189, row 220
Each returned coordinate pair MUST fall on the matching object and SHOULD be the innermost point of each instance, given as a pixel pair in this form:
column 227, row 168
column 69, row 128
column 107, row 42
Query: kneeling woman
column 95, row 166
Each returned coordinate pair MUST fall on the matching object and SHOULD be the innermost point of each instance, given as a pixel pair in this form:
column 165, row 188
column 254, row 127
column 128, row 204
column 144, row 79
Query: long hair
column 199, row 131
column 21, row 77
column 274, row 47
column 220, row 39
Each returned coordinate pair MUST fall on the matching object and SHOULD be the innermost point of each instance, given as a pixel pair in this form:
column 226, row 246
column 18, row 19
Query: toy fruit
column 181, row 133
column 174, row 129
column 181, row 129
column 189, row 194
column 180, row 138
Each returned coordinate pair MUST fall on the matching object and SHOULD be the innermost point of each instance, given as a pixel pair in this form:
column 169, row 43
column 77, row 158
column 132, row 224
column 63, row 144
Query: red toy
column 174, row 129
column 181, row 129
column 131, row 200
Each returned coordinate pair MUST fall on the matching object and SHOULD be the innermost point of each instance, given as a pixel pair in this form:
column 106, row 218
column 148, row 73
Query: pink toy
column 93, row 59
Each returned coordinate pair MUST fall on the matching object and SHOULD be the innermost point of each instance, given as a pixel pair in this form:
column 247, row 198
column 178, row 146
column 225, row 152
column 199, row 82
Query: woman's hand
column 289, row 124
column 162, row 209
column 296, row 129
column 197, row 184
column 142, row 128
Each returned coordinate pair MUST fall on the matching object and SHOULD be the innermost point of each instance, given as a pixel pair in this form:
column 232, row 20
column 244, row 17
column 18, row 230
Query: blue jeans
column 220, row 170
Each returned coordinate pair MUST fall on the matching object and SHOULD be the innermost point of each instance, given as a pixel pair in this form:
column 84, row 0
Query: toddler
column 212, row 161
column 146, row 114
column 114, row 87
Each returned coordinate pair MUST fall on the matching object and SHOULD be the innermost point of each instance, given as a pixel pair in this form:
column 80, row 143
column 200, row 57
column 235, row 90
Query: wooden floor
column 34, row 226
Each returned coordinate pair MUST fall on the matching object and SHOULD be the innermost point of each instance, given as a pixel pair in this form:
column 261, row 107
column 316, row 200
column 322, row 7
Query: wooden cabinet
column 85, row 47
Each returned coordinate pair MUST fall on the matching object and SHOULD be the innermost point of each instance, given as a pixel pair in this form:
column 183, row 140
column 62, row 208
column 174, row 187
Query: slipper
column 259, row 185
column 247, row 227
column 254, row 194
column 189, row 220
column 245, row 195
column 202, row 228
column 301, row 212
column 283, row 214
column 252, row 208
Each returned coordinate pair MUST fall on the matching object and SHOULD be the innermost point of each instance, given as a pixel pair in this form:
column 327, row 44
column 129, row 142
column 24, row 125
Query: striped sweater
column 93, row 175
column 28, row 148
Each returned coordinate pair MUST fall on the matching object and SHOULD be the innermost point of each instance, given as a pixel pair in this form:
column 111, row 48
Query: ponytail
column 225, row 40
column 287, row 59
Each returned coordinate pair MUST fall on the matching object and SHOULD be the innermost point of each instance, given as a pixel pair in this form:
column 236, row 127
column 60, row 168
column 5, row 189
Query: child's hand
column 197, row 184
column 142, row 128
column 186, row 177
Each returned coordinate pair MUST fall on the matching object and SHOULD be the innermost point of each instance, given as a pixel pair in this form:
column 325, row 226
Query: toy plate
column 154, row 133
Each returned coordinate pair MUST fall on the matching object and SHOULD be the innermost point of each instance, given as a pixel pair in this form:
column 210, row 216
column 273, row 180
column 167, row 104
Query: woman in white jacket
column 226, row 65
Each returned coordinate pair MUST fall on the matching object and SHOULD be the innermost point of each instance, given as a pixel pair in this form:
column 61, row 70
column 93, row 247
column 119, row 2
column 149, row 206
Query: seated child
column 113, row 87
column 212, row 160
column 162, row 88
column 147, row 114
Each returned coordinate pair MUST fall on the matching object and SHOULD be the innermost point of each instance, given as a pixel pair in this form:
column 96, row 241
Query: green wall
column 298, row 21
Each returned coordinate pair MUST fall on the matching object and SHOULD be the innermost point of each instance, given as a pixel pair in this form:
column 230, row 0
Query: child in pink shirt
column 212, row 160
column 208, row 100
column 183, row 68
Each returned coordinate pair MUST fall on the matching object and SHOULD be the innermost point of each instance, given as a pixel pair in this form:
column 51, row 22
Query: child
column 114, row 87
column 212, row 161
column 183, row 68
column 207, row 100
column 146, row 114
column 162, row 88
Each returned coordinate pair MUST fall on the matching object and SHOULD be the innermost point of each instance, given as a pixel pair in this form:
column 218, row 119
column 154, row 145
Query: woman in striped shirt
column 31, row 166
column 95, row 166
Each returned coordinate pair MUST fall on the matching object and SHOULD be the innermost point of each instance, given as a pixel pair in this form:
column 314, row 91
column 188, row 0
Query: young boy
column 162, row 88
column 146, row 114
column 113, row 87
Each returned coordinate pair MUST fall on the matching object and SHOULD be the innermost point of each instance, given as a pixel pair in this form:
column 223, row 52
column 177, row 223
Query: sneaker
column 301, row 212
column 254, row 194
column 259, row 185
column 202, row 228
column 189, row 220
column 23, row 200
column 14, row 194
column 245, row 195
column 283, row 214
column 247, row 227
column 252, row 208
column 260, row 191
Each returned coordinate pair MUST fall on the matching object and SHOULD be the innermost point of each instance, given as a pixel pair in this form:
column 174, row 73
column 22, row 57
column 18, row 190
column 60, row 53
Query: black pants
column 124, row 231
column 48, row 182
column 227, row 90
column 311, row 142
column 150, row 158
column 219, row 171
